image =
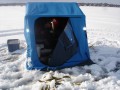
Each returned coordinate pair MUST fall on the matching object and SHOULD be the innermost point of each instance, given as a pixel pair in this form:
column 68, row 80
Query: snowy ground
column 103, row 27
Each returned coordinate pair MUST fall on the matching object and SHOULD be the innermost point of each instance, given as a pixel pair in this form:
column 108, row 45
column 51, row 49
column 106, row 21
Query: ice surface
column 103, row 27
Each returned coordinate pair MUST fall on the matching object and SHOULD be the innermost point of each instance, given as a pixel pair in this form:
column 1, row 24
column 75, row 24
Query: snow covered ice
column 103, row 27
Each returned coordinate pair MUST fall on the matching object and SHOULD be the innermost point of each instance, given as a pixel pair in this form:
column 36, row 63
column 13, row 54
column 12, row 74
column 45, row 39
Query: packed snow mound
column 103, row 26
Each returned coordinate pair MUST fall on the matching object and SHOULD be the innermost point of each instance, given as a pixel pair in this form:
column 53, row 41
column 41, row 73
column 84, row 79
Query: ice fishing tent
column 65, row 47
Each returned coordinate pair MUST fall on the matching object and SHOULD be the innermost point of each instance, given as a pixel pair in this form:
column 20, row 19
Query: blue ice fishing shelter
column 55, row 36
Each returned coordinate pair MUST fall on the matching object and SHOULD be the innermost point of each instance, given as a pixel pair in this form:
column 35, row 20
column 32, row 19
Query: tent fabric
column 66, row 46
column 49, row 9
column 35, row 10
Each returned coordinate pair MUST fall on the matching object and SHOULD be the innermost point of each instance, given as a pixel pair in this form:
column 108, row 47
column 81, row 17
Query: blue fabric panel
column 69, row 33
column 77, row 25
column 53, row 8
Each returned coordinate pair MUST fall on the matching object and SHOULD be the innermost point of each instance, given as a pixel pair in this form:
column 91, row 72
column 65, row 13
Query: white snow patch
column 29, row 62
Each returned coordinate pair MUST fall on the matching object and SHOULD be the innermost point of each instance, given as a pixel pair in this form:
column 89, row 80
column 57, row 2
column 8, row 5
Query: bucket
column 13, row 45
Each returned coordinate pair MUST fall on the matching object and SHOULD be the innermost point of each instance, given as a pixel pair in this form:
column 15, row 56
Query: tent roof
column 53, row 8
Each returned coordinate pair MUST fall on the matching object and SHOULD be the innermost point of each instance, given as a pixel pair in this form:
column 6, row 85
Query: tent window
column 49, row 34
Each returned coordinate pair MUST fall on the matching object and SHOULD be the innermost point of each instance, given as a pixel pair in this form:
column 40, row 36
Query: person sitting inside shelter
column 47, row 33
